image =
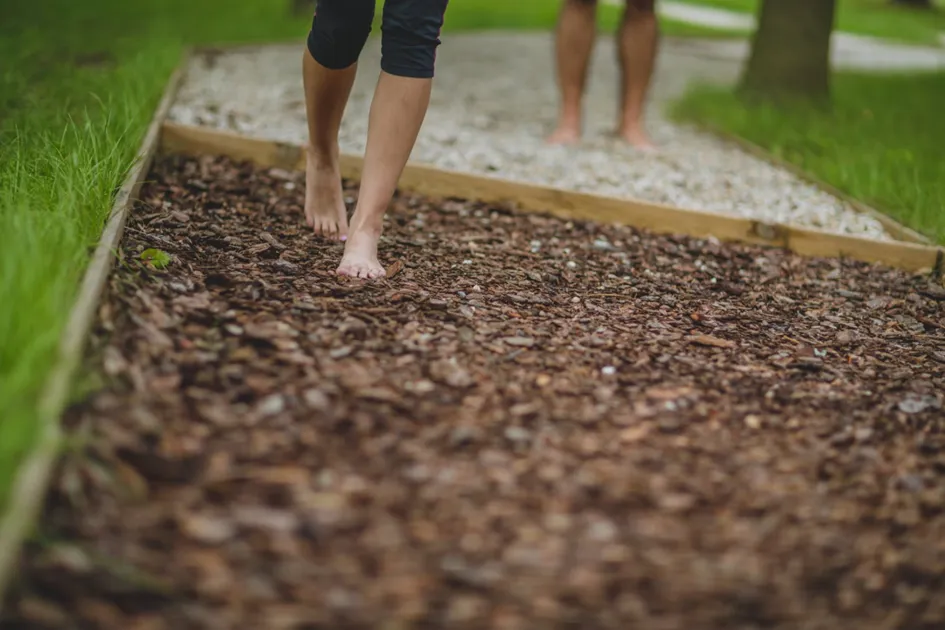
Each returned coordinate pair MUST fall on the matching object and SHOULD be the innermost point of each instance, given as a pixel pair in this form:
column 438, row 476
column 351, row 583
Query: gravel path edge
column 896, row 229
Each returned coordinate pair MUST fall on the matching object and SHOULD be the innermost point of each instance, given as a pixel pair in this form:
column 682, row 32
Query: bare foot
column 637, row 138
column 360, row 257
column 325, row 210
column 565, row 134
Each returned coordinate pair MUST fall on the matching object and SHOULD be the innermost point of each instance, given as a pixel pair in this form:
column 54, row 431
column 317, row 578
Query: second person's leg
column 636, row 45
column 574, row 43
column 410, row 31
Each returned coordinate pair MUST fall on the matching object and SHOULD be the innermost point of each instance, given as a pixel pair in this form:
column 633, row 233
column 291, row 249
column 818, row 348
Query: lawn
column 881, row 143
column 868, row 17
column 78, row 84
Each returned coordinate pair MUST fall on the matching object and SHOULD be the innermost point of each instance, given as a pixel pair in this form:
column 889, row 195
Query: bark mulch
column 531, row 424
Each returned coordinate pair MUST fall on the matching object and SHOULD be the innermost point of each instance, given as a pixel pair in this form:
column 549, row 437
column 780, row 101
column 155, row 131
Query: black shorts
column 410, row 34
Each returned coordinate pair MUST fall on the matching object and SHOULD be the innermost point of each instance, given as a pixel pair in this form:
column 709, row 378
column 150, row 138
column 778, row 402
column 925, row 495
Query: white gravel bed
column 494, row 101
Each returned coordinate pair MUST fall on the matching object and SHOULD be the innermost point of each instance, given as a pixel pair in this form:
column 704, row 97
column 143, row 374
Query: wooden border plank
column 894, row 228
column 660, row 218
column 33, row 475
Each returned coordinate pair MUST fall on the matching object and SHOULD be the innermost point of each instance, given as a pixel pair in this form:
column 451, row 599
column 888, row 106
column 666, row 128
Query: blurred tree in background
column 790, row 51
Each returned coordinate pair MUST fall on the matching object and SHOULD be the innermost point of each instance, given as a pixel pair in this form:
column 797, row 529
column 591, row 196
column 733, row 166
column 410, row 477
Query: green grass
column 78, row 84
column 881, row 143
column 868, row 17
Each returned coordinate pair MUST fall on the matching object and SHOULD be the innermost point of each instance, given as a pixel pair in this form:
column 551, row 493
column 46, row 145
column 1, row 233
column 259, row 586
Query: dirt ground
column 531, row 424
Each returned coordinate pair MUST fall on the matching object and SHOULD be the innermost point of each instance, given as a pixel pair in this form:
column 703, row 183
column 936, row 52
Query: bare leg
column 637, row 43
column 397, row 113
column 574, row 43
column 326, row 95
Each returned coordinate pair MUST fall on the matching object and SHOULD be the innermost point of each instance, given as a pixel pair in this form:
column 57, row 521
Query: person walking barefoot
column 637, row 39
column 410, row 37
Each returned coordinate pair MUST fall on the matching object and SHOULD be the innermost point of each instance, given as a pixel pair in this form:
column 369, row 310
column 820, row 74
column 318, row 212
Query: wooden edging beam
column 659, row 218
column 33, row 475
column 893, row 227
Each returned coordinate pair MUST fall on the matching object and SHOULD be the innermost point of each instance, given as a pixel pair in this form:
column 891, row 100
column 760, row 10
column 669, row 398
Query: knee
column 641, row 8
column 409, row 44
column 588, row 6
column 339, row 32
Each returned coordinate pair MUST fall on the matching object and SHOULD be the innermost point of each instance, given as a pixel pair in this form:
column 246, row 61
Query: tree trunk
column 915, row 4
column 790, row 51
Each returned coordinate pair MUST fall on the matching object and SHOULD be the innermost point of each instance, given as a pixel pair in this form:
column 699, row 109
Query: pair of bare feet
column 326, row 214
column 570, row 133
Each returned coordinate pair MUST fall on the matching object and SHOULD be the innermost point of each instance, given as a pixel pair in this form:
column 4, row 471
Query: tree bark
column 790, row 51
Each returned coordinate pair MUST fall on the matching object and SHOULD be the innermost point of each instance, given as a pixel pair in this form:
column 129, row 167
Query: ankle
column 570, row 118
column 367, row 223
column 322, row 155
column 632, row 122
